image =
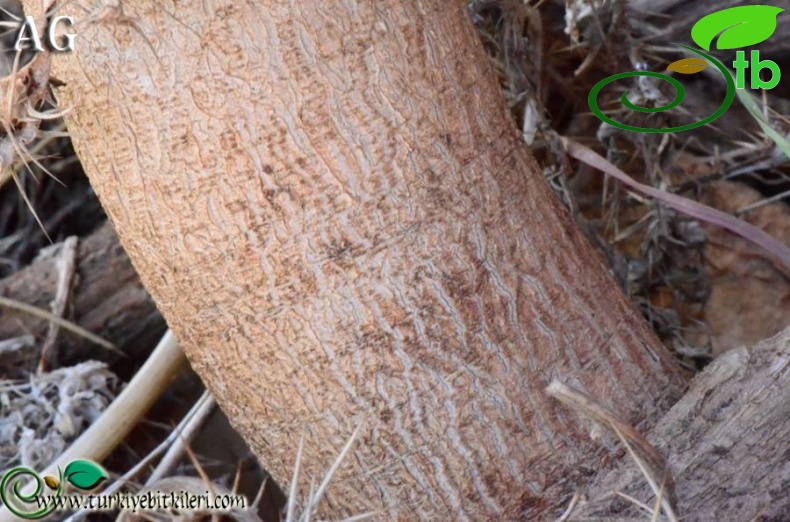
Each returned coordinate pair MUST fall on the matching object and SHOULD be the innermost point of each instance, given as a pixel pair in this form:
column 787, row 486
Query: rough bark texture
column 726, row 443
column 336, row 216
column 107, row 299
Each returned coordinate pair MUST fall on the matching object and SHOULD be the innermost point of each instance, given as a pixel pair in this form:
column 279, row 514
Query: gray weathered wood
column 726, row 442
column 107, row 299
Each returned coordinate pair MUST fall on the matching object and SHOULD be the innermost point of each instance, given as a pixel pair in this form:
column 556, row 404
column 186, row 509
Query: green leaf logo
column 739, row 26
column 85, row 474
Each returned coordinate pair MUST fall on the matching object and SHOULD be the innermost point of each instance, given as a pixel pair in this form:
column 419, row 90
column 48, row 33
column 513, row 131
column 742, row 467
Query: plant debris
column 547, row 56
column 41, row 417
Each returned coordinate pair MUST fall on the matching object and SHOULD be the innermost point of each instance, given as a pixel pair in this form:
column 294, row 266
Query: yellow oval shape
column 52, row 482
column 688, row 66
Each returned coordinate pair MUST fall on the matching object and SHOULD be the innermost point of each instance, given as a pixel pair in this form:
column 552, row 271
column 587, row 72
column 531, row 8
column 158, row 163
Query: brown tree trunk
column 337, row 218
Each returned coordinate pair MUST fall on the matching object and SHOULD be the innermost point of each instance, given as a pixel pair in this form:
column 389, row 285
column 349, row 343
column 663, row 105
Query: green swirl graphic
column 680, row 93
column 15, row 499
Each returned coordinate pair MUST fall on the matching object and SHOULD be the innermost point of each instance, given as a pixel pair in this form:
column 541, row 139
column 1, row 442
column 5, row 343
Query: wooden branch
column 726, row 443
column 107, row 300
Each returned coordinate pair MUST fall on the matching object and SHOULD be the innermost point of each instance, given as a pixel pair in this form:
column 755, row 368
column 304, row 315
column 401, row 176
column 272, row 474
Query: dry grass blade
column 763, row 202
column 315, row 496
column 657, row 506
column 68, row 325
column 650, row 462
column 30, row 205
column 189, row 419
column 186, row 431
column 569, row 511
column 316, row 499
column 308, row 512
column 364, row 516
column 641, row 505
column 290, row 512
column 686, row 206
column 22, row 94
column 754, row 110
column 66, row 267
